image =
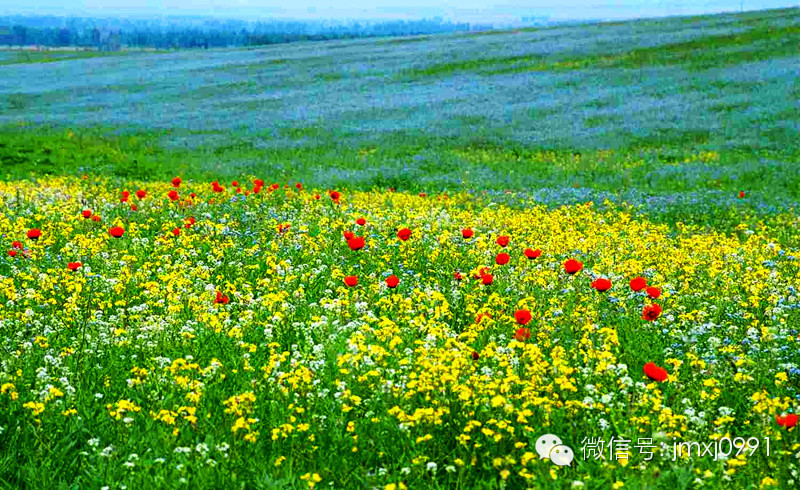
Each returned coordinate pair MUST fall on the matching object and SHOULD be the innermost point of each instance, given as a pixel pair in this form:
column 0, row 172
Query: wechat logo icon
column 550, row 446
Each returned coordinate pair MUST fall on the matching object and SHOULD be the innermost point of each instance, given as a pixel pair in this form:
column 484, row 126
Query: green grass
column 705, row 52
column 23, row 57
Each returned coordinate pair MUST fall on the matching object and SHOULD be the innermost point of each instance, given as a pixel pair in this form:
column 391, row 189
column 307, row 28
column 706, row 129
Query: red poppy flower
column 258, row 183
column 116, row 231
column 134, row 207
column 284, row 227
column 651, row 312
column 481, row 272
column 392, row 281
column 502, row 240
column 73, row 266
column 653, row 292
column 348, row 235
column 356, row 243
column 235, row 184
column 176, row 182
column 351, row 281
column 422, row 194
column 316, row 196
column 34, row 233
column 481, row 316
column 467, row 233
column 522, row 316
column 601, row 284
column 522, row 334
column 502, row 258
column 96, row 218
column 16, row 244
column 256, row 190
column 487, row 279
column 192, row 195
column 216, row 187
column 457, row 276
column 361, row 221
column 475, row 356
column 12, row 253
column 531, row 253
column 221, row 299
column 126, row 194
column 86, row 213
column 572, row 266
column 655, row 373
column 141, row 194
column 741, row 196
column 404, row 234
column 335, row 196
column 173, row 195
column 299, row 186
column 638, row 283
column 176, row 231
column 787, row 421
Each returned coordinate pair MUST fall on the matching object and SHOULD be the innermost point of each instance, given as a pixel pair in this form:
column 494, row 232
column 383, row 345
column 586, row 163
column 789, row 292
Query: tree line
column 182, row 33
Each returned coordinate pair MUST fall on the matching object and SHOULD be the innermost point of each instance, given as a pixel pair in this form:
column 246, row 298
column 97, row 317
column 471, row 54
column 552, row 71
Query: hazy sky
column 460, row 10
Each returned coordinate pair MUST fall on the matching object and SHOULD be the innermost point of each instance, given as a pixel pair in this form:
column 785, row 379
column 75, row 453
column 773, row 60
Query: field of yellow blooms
column 248, row 334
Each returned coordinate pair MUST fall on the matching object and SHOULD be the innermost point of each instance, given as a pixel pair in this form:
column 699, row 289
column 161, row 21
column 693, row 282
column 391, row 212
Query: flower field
column 210, row 335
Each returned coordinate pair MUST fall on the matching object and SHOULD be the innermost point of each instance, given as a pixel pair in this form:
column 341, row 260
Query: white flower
column 431, row 466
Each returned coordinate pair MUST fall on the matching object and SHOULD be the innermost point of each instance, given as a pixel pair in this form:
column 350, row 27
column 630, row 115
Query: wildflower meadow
column 563, row 257
column 261, row 334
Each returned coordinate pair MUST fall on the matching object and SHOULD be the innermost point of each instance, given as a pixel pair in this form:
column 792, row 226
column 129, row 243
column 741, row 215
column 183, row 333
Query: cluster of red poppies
column 16, row 248
column 522, row 334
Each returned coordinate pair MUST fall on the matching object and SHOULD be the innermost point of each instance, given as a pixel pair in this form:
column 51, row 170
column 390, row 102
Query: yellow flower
column 768, row 482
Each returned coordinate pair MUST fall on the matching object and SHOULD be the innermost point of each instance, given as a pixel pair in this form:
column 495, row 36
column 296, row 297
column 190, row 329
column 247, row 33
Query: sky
column 508, row 11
